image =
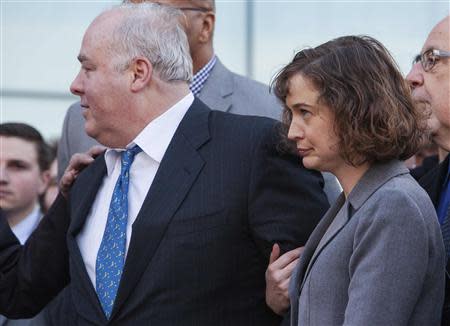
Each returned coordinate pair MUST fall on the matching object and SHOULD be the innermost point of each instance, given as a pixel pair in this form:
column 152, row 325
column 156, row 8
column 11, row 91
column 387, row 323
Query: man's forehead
column 16, row 148
column 105, row 23
column 439, row 37
column 99, row 33
column 180, row 3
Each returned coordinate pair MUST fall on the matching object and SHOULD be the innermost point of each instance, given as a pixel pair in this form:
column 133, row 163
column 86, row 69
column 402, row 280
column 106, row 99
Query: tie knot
column 129, row 154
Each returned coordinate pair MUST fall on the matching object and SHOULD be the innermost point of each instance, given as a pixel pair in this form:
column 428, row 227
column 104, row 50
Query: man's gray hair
column 154, row 32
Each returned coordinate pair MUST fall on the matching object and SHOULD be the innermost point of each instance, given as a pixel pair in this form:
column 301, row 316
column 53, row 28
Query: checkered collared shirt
column 200, row 77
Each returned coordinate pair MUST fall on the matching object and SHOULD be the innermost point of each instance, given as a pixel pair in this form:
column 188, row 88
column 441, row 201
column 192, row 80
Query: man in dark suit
column 217, row 87
column 430, row 82
column 173, row 225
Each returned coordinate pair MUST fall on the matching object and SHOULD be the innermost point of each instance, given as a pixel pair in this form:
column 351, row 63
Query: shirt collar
column 24, row 228
column 199, row 79
column 154, row 139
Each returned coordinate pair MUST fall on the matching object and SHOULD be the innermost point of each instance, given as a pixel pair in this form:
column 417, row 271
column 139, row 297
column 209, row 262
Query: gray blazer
column 223, row 91
column 376, row 258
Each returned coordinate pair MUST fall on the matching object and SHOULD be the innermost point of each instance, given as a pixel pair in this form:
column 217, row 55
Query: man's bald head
column 210, row 4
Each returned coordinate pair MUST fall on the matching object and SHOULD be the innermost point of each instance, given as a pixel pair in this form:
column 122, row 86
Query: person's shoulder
column 402, row 193
column 74, row 108
column 245, row 128
column 246, row 96
column 248, row 83
column 253, row 87
column 74, row 115
column 436, row 173
column 248, row 122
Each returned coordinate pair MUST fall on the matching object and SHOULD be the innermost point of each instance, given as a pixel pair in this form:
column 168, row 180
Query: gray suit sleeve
column 73, row 138
column 63, row 147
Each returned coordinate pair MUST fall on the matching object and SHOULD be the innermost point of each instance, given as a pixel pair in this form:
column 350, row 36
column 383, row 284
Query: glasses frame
column 199, row 9
column 430, row 57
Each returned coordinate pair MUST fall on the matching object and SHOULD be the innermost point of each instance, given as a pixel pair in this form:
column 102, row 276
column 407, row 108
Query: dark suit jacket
column 428, row 164
column 432, row 182
column 200, row 245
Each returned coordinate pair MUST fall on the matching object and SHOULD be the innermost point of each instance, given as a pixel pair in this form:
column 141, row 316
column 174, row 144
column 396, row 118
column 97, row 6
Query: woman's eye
column 304, row 112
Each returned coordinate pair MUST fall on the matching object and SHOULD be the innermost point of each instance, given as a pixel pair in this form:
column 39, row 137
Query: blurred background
column 40, row 41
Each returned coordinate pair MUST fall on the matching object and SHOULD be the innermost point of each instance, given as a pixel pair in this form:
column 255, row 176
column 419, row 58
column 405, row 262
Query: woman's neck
column 349, row 176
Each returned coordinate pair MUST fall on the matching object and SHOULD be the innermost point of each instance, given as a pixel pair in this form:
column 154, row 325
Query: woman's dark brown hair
column 356, row 77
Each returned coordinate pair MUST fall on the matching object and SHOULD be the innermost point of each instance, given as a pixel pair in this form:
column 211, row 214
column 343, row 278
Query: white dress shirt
column 24, row 228
column 154, row 140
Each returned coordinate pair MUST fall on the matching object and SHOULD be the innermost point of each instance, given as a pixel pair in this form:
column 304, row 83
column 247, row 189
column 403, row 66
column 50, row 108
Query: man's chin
column 90, row 130
column 442, row 142
column 93, row 133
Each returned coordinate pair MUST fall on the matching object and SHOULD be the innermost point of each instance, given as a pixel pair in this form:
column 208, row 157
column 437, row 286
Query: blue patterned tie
column 111, row 255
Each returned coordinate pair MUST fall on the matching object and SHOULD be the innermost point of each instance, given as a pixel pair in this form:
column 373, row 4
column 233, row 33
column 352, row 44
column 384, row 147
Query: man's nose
column 415, row 76
column 77, row 85
column 4, row 177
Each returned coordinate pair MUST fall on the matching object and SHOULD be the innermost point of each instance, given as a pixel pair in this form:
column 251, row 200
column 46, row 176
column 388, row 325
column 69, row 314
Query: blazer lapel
column 177, row 172
column 321, row 236
column 340, row 219
column 218, row 88
column 82, row 197
column 297, row 278
column 84, row 192
column 432, row 181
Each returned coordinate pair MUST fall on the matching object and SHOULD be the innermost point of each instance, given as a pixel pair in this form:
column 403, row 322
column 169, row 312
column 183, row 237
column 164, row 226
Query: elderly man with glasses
column 430, row 83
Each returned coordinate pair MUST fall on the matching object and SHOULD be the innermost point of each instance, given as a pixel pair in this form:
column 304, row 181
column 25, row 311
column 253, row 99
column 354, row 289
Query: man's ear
column 207, row 31
column 142, row 71
column 44, row 181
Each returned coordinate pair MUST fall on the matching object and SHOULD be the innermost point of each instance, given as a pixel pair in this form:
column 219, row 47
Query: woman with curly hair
column 376, row 257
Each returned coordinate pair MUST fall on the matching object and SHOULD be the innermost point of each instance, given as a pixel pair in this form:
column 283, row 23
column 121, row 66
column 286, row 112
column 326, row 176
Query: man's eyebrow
column 19, row 161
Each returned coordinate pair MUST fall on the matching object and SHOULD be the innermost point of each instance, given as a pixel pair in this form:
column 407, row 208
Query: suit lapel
column 82, row 197
column 84, row 192
column 433, row 180
column 178, row 170
column 313, row 242
column 336, row 225
column 218, row 88
column 297, row 278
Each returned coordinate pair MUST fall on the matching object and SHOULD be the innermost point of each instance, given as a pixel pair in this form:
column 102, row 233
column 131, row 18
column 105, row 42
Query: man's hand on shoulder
column 278, row 275
column 77, row 163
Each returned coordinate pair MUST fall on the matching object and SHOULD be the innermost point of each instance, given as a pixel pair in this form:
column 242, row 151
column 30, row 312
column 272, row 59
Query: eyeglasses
column 200, row 9
column 429, row 58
